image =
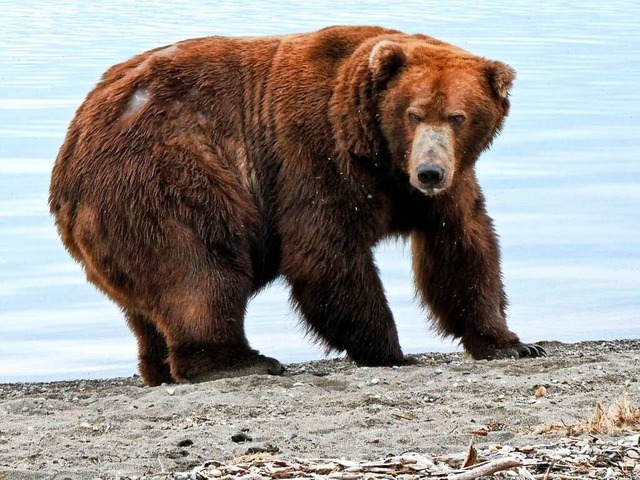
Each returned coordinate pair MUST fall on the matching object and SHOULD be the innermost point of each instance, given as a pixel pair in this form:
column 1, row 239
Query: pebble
column 241, row 437
column 374, row 381
column 171, row 391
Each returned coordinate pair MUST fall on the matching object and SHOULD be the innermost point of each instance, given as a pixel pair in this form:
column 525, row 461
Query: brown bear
column 195, row 174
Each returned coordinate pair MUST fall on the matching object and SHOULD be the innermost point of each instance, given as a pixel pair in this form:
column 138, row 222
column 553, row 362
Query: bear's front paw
column 520, row 350
column 482, row 347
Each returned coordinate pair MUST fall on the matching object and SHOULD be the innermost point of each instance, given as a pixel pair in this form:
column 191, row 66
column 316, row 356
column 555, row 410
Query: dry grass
column 619, row 417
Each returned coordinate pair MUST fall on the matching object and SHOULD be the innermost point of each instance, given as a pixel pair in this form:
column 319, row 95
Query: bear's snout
column 430, row 175
column 431, row 162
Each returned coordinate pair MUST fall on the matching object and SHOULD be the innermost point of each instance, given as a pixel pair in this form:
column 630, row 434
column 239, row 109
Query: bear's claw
column 535, row 350
column 522, row 350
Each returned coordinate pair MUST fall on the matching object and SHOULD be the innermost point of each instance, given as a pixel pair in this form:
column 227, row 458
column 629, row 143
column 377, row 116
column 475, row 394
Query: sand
column 118, row 428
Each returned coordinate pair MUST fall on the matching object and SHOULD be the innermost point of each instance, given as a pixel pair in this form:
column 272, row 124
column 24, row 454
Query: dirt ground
column 329, row 409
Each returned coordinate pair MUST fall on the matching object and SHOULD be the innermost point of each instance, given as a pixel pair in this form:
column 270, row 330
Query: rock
column 541, row 391
column 241, row 437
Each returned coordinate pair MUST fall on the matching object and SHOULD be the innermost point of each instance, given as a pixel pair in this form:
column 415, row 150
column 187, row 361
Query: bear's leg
column 457, row 273
column 201, row 313
column 152, row 350
column 341, row 298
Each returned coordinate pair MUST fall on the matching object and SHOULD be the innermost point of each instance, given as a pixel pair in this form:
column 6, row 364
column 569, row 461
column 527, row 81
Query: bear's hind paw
column 254, row 365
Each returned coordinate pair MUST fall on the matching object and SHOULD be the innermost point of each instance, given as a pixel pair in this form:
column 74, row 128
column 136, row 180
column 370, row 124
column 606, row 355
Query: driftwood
column 488, row 468
column 582, row 457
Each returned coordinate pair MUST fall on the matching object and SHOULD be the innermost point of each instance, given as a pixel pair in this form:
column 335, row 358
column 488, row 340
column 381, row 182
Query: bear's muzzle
column 431, row 163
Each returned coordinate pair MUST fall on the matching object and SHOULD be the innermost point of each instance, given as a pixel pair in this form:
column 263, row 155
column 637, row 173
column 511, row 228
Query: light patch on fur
column 165, row 52
column 246, row 170
column 287, row 36
column 245, row 167
column 137, row 101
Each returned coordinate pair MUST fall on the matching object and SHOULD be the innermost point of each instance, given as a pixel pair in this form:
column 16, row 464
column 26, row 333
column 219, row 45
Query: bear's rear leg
column 203, row 322
column 152, row 350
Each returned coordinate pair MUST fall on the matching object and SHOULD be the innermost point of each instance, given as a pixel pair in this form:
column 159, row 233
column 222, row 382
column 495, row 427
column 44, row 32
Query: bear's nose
column 430, row 174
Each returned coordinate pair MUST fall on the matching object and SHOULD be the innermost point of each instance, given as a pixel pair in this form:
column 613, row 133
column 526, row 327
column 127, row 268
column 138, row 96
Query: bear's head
column 425, row 108
column 439, row 107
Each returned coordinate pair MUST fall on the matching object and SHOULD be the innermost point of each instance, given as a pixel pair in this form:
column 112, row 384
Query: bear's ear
column 501, row 77
column 385, row 60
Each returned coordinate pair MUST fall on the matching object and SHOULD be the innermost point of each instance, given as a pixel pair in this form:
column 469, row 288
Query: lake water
column 562, row 181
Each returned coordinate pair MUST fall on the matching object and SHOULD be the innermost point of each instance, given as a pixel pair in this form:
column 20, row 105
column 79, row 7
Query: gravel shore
column 118, row 428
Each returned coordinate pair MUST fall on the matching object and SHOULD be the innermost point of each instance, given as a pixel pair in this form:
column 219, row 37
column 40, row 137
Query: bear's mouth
column 431, row 191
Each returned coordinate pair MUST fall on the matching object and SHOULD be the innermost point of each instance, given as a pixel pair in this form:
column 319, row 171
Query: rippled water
column 562, row 181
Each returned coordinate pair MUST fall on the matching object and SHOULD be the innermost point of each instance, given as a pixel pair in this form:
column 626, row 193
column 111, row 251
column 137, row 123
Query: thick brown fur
column 195, row 174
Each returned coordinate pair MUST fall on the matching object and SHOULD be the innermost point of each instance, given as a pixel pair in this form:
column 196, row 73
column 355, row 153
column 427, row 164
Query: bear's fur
column 195, row 174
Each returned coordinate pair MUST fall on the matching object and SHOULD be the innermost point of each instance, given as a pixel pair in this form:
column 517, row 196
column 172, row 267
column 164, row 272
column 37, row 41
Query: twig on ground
column 488, row 468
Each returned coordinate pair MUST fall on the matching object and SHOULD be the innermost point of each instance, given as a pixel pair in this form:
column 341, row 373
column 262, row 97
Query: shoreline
column 117, row 428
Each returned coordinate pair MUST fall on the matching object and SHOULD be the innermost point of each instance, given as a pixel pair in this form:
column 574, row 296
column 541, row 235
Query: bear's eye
column 456, row 120
column 415, row 116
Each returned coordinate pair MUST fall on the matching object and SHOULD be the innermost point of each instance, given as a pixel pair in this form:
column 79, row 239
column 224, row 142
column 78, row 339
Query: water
column 562, row 181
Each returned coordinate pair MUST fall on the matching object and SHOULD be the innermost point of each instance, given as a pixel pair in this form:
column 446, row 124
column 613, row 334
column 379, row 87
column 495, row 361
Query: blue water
column 562, row 181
